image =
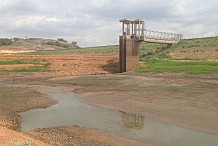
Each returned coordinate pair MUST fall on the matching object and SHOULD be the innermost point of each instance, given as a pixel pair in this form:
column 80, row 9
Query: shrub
column 62, row 40
column 58, row 44
column 5, row 42
column 16, row 39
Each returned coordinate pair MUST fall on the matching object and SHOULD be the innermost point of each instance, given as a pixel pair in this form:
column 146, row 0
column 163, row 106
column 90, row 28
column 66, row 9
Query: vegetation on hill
column 198, row 42
column 5, row 41
column 62, row 44
column 37, row 44
column 58, row 44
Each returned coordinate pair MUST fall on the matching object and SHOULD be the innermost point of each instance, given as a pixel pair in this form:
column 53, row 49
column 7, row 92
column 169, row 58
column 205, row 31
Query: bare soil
column 19, row 99
column 65, row 65
column 75, row 135
column 12, row 67
column 13, row 138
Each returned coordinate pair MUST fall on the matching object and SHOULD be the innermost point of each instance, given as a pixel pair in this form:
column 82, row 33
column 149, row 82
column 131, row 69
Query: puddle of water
column 72, row 111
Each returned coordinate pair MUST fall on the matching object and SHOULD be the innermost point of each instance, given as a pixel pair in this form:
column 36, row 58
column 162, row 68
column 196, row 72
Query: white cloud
column 96, row 22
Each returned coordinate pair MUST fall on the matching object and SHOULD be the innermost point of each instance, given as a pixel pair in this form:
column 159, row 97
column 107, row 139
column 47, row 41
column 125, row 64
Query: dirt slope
column 10, row 137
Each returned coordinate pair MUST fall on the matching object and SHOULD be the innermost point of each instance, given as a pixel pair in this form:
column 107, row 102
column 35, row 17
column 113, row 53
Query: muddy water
column 72, row 111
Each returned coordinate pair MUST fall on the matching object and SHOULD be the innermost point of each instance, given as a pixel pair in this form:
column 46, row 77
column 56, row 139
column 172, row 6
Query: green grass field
column 39, row 65
column 93, row 50
column 189, row 67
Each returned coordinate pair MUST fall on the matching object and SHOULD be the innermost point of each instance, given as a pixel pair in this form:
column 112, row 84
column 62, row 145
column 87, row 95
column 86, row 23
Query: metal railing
column 157, row 35
column 149, row 34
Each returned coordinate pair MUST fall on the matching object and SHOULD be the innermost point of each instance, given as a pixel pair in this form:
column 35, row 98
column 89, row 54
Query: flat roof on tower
column 127, row 21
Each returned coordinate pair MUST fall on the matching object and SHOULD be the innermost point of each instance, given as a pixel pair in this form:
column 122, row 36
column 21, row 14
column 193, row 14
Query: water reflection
column 132, row 121
column 72, row 111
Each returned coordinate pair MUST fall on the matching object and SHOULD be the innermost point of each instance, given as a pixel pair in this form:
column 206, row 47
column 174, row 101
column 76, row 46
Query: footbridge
column 133, row 34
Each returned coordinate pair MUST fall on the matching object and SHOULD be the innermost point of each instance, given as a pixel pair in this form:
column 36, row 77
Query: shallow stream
column 72, row 111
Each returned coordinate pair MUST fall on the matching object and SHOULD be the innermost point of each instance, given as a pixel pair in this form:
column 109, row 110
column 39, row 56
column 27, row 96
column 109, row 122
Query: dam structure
column 133, row 35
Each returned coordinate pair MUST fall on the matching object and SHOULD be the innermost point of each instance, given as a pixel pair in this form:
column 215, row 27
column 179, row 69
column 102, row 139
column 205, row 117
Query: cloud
column 96, row 22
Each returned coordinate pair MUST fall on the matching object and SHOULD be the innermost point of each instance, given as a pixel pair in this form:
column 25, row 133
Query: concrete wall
column 129, row 53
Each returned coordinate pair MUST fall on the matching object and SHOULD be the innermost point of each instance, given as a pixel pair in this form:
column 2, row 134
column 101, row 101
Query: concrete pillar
column 122, row 54
column 129, row 53
column 123, row 29
column 143, row 29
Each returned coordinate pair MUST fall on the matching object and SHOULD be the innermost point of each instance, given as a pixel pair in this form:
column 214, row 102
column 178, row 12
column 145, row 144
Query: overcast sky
column 96, row 22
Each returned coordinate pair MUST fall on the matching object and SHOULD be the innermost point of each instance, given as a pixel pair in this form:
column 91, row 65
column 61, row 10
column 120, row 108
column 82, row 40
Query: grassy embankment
column 194, row 56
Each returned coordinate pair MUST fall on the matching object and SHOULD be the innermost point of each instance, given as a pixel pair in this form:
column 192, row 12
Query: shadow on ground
column 112, row 66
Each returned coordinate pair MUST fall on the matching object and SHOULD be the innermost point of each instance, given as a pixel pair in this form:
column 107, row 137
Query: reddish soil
column 12, row 67
column 74, row 64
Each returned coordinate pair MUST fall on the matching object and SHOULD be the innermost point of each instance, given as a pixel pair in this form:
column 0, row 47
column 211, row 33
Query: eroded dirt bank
column 13, row 138
column 75, row 135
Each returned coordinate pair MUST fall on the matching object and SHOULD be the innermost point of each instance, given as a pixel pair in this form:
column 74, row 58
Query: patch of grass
column 30, row 69
column 189, row 67
column 183, row 51
column 39, row 65
column 94, row 50
column 23, row 61
column 154, row 51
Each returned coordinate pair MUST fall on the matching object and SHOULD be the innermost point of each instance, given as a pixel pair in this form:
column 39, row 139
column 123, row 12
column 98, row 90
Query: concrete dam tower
column 133, row 35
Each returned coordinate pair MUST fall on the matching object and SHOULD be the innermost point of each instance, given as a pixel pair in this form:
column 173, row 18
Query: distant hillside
column 36, row 44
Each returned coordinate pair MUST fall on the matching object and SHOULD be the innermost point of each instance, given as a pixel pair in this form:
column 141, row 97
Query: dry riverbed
column 19, row 94
column 186, row 101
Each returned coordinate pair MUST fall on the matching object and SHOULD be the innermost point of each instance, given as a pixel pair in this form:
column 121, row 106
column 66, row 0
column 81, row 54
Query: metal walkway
column 136, row 29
